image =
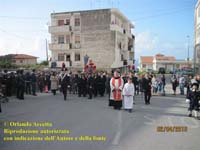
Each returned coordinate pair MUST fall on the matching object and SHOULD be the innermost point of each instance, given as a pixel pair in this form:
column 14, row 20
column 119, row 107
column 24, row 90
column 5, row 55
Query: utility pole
column 47, row 50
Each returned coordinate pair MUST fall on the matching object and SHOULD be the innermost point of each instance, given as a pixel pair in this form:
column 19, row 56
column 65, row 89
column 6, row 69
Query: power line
column 160, row 10
column 23, row 17
column 29, row 31
column 159, row 15
column 15, row 35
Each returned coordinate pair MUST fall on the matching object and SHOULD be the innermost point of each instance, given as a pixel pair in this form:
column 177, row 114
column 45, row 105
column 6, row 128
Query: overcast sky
column 161, row 26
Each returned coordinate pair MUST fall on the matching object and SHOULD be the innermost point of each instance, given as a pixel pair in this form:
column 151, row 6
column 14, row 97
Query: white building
column 162, row 61
column 104, row 35
column 197, row 37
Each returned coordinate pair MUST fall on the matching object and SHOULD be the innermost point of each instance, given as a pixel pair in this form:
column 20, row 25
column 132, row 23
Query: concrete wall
column 96, row 38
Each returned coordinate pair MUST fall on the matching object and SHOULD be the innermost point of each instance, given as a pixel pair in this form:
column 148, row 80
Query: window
column 68, row 58
column 77, row 39
column 60, row 57
column 60, row 22
column 60, row 39
column 77, row 22
column 21, row 61
column 67, row 39
column 77, row 57
column 67, row 22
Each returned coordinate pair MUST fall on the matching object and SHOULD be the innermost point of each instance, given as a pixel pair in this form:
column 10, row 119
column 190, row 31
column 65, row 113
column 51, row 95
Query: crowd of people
column 118, row 87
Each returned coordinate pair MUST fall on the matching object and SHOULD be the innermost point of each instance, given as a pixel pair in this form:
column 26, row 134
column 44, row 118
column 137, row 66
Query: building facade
column 197, row 38
column 161, row 61
column 103, row 35
column 20, row 59
column 24, row 59
column 146, row 62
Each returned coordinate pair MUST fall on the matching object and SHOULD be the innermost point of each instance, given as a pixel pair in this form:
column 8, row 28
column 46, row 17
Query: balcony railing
column 59, row 46
column 77, row 45
column 59, row 29
column 130, row 48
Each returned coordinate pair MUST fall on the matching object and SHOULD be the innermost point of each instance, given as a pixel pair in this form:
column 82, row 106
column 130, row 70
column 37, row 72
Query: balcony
column 59, row 64
column 130, row 35
column 130, row 48
column 59, row 46
column 76, row 28
column 77, row 46
column 77, row 64
column 59, row 29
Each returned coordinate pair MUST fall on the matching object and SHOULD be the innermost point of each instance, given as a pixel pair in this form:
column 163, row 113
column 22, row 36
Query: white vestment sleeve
column 111, row 86
column 124, row 90
column 122, row 84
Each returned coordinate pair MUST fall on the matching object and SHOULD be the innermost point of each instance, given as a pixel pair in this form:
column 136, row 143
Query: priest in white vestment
column 116, row 86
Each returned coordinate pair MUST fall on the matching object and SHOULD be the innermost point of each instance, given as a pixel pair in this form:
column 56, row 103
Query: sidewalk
column 169, row 92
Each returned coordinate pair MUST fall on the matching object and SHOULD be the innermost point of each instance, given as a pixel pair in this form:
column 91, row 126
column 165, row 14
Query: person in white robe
column 128, row 93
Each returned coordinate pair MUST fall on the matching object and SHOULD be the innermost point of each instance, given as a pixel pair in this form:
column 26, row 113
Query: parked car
column 149, row 70
column 187, row 71
column 161, row 70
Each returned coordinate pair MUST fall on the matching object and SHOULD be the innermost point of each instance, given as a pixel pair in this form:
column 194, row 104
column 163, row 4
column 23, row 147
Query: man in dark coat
column 82, row 86
column 95, row 91
column 90, row 85
column 102, row 84
column 79, row 85
column 65, row 81
column 33, row 82
column 20, row 85
column 41, row 82
column 136, row 83
column 13, row 83
column 7, row 83
column 27, row 83
column 147, row 89
column 108, row 84
column 194, row 99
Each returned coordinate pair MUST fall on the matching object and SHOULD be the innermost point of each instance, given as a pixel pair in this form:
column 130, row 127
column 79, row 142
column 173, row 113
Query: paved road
column 123, row 131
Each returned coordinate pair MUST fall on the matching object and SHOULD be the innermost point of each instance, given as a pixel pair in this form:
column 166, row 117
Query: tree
column 44, row 63
column 6, row 61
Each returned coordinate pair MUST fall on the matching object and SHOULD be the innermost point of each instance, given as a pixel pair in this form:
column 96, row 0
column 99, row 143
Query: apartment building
column 103, row 35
